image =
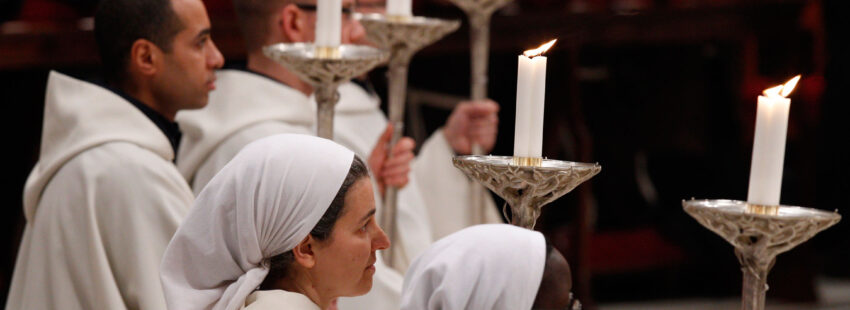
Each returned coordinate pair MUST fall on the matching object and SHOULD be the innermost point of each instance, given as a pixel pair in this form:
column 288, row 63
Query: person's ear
column 145, row 57
column 293, row 23
column 304, row 254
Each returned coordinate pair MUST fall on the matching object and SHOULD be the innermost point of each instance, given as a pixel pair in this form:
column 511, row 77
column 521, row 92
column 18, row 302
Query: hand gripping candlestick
column 325, row 68
column 403, row 36
column 758, row 234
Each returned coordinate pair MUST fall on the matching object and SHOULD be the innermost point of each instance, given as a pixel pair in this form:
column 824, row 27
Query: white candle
column 399, row 8
column 769, row 144
column 328, row 23
column 530, row 95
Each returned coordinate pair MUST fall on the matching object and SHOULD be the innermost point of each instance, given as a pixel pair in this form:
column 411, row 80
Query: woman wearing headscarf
column 288, row 223
column 493, row 267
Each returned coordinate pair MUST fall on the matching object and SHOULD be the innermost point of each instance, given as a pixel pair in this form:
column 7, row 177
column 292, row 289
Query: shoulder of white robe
column 241, row 99
column 79, row 115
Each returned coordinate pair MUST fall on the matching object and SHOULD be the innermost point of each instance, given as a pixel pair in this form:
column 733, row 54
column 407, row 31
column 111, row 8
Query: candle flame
column 789, row 86
column 540, row 50
column 783, row 90
column 773, row 91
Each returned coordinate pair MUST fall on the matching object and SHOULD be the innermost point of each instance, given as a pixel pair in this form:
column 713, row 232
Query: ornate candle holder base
column 325, row 68
column 403, row 37
column 759, row 234
column 526, row 188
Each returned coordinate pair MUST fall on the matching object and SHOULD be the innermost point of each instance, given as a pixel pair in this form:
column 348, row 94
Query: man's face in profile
column 188, row 74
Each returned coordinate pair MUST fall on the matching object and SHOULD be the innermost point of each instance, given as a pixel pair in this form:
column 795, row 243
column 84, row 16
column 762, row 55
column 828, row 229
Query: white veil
column 261, row 204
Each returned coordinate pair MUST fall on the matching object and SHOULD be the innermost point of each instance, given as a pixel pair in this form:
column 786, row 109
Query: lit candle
column 530, row 94
column 769, row 144
column 328, row 23
column 399, row 8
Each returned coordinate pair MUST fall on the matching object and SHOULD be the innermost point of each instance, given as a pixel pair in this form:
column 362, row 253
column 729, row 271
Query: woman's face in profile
column 345, row 261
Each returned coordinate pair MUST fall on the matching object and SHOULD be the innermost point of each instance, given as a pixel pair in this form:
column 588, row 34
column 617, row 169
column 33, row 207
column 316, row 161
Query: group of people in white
column 174, row 184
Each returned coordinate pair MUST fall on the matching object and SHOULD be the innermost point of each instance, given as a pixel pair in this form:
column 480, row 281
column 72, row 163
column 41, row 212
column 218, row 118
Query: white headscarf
column 494, row 266
column 261, row 204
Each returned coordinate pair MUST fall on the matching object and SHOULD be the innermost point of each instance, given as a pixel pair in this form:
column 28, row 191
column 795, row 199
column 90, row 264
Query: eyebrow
column 368, row 215
column 205, row 31
column 347, row 9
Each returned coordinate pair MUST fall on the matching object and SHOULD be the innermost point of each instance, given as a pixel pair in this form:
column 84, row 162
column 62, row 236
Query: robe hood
column 78, row 116
column 259, row 99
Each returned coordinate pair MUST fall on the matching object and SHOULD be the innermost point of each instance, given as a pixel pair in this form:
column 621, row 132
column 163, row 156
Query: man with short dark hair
column 105, row 197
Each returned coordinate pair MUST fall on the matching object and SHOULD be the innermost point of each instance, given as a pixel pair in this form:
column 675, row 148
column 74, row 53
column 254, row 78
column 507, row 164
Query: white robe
column 446, row 192
column 278, row 299
column 101, row 205
column 246, row 107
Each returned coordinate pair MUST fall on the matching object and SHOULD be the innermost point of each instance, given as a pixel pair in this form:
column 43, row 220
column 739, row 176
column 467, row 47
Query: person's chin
column 364, row 286
column 200, row 104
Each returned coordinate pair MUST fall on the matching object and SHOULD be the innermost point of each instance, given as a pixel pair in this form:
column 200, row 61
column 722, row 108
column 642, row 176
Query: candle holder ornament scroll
column 325, row 68
column 759, row 234
column 525, row 188
column 403, row 36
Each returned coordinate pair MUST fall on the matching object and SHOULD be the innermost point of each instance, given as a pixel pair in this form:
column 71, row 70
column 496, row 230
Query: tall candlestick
column 328, row 23
column 769, row 144
column 530, row 95
column 399, row 8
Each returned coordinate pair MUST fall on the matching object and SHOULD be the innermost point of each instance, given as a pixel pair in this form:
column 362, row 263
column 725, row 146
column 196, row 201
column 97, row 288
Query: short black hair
column 279, row 264
column 119, row 23
column 253, row 17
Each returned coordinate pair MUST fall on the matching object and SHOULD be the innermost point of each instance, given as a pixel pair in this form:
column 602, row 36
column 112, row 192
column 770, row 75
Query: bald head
column 555, row 287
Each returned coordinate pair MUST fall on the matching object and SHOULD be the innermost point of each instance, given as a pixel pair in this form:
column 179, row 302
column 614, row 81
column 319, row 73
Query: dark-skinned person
column 105, row 198
column 289, row 223
column 491, row 266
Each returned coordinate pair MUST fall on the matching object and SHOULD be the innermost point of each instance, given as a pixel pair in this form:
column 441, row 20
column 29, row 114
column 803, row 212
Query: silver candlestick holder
column 479, row 13
column 403, row 37
column 758, row 234
column 526, row 184
column 325, row 68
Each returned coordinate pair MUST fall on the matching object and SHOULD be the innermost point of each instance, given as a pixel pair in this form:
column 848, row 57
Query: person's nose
column 215, row 59
column 381, row 241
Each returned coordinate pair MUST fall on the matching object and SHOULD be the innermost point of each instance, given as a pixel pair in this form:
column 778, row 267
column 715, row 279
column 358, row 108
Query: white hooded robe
column 101, row 205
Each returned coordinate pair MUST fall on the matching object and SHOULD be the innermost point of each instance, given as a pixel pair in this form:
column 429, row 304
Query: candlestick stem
column 479, row 31
column 403, row 38
column 754, row 288
column 326, row 99
column 397, row 75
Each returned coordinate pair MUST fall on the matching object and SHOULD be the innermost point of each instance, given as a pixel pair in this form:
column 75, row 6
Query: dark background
column 662, row 93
